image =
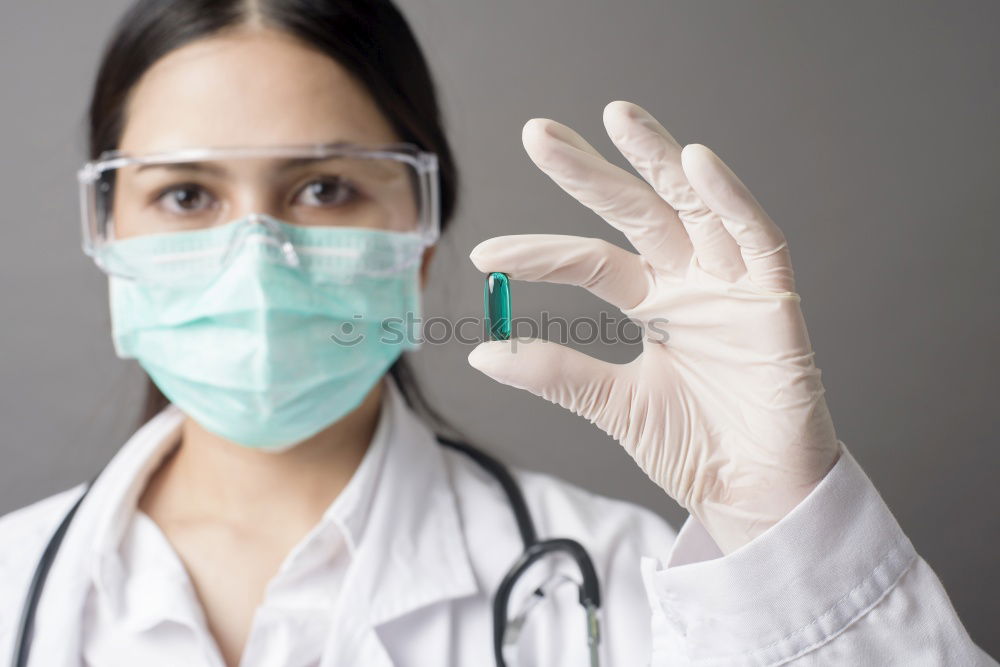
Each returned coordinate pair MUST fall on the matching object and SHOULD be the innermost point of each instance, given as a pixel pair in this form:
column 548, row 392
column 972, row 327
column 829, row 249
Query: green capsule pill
column 496, row 304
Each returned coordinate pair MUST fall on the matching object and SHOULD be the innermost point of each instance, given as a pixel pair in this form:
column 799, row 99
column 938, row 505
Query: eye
column 333, row 191
column 185, row 199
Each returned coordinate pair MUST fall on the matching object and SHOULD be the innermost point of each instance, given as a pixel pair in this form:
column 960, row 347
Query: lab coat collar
column 128, row 473
column 115, row 495
column 128, row 591
column 409, row 547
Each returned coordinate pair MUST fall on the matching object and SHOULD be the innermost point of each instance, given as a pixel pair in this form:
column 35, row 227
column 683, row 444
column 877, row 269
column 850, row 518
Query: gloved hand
column 727, row 414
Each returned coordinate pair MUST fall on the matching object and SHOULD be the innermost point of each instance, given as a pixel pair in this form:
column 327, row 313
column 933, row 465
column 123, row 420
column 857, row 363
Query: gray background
column 868, row 130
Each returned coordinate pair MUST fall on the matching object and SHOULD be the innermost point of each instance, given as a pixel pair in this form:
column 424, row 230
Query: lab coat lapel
column 413, row 552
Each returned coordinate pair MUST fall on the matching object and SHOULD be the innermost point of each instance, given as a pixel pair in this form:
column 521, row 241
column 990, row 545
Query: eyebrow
column 179, row 166
column 284, row 165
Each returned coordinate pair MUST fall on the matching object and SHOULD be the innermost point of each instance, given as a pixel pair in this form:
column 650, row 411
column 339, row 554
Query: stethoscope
column 505, row 634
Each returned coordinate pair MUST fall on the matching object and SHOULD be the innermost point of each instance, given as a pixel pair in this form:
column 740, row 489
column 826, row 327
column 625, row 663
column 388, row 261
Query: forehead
column 252, row 87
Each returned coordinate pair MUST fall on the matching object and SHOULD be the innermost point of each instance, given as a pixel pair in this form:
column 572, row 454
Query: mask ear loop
column 277, row 236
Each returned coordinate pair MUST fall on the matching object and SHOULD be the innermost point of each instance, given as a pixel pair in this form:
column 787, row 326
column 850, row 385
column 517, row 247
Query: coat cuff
column 793, row 588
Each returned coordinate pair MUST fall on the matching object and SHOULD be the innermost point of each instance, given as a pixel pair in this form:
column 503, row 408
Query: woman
column 265, row 229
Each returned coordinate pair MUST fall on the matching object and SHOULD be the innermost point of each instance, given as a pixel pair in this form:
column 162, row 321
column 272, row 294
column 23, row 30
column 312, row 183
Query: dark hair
column 369, row 38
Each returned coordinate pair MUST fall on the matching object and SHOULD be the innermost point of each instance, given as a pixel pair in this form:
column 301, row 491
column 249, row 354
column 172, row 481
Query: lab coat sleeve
column 834, row 582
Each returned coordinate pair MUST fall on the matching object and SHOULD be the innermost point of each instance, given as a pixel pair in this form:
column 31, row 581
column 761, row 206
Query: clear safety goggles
column 165, row 200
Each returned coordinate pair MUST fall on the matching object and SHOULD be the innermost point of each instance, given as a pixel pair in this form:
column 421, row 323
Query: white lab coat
column 835, row 582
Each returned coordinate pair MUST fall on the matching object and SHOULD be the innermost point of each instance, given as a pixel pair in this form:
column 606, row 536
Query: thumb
column 557, row 373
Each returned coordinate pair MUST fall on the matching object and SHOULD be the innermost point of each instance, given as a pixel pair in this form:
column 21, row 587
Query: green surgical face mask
column 266, row 333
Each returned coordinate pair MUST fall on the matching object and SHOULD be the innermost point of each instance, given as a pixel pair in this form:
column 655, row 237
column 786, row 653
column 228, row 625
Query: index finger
column 607, row 271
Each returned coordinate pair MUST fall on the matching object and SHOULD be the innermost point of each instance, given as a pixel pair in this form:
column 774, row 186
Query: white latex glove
column 728, row 415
